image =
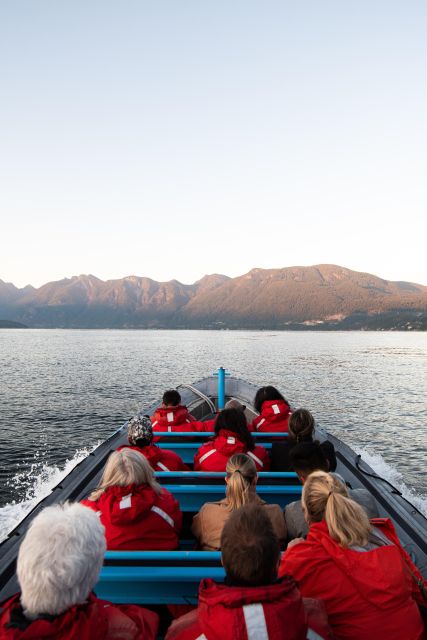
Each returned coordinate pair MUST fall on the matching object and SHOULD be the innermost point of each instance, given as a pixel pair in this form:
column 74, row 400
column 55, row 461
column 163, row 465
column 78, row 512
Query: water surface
column 64, row 391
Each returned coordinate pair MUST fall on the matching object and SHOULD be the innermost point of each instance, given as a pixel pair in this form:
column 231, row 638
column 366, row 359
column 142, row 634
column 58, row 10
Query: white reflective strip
column 312, row 635
column 202, row 637
column 169, row 416
column 125, row 502
column 254, row 457
column 162, row 466
column 260, row 423
column 163, row 515
column 188, row 420
column 256, row 626
column 275, row 408
column 154, row 423
column 169, row 429
column 231, row 440
column 206, row 455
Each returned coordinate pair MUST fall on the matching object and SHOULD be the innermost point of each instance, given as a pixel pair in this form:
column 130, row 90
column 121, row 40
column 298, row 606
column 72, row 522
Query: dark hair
column 171, row 398
column 250, row 549
column 301, row 425
column 307, row 457
column 267, row 393
column 234, row 420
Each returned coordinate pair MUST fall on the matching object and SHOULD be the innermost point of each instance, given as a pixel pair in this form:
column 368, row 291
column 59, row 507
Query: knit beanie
column 140, row 430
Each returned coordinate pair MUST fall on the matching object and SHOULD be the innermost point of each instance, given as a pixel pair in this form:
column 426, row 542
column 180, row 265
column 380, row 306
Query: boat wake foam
column 38, row 482
column 386, row 471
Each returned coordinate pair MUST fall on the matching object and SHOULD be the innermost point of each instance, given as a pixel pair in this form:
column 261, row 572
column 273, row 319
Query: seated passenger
column 232, row 436
column 208, row 425
column 172, row 415
column 356, row 567
column 140, row 437
column 59, row 562
column 305, row 458
column 136, row 512
column 301, row 429
column 241, row 483
column 274, row 411
column 252, row 603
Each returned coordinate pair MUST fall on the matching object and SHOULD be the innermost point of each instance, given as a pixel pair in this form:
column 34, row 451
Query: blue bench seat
column 192, row 497
column 156, row 577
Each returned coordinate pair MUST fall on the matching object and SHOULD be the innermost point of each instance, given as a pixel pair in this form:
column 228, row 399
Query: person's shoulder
column 275, row 509
column 92, row 504
column 365, row 500
column 213, row 507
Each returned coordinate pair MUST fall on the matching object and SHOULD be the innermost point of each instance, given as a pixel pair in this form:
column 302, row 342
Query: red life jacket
column 274, row 417
column 275, row 611
column 213, row 455
column 172, row 419
column 159, row 459
column 136, row 518
column 94, row 620
column 206, row 425
column 367, row 594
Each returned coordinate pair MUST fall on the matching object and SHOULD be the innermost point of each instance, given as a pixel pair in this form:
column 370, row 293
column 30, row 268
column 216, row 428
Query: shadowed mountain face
column 322, row 296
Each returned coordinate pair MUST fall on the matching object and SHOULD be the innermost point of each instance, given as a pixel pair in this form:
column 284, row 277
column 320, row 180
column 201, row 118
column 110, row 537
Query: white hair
column 60, row 559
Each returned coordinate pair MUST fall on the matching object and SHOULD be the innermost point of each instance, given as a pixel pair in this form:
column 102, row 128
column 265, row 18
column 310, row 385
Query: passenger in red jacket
column 172, row 415
column 140, row 437
column 274, row 411
column 209, row 425
column 356, row 567
column 58, row 565
column 232, row 436
column 251, row 603
column 136, row 512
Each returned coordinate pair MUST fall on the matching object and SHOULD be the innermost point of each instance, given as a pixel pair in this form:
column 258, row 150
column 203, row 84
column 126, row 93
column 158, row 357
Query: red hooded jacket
column 173, row 419
column 275, row 611
column 367, row 594
column 274, row 416
column 94, row 620
column 213, row 455
column 159, row 459
column 137, row 519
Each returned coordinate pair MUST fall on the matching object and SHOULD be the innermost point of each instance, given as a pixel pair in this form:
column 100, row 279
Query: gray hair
column 60, row 559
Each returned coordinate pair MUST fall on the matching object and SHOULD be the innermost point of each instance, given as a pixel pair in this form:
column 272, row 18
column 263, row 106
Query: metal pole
column 221, row 388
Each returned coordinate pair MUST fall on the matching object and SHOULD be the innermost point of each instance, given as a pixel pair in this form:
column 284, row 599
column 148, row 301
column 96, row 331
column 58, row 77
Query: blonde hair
column 324, row 497
column 241, row 473
column 123, row 468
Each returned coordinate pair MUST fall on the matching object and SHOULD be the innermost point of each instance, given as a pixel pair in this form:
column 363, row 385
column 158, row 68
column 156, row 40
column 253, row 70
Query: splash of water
column 37, row 483
column 385, row 470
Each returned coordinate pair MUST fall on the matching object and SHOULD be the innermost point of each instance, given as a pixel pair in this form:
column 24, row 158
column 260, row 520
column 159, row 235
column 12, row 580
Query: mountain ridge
column 323, row 296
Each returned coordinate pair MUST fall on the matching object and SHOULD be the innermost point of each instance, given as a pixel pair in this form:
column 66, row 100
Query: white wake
column 38, row 482
column 385, row 470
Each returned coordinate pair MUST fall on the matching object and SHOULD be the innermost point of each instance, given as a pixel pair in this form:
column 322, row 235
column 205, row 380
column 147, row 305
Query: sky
column 176, row 138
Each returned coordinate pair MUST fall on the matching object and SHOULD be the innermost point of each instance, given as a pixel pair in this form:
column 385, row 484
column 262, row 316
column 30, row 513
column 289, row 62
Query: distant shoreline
column 10, row 324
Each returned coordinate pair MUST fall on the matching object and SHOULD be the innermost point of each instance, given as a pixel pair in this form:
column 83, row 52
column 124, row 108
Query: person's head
column 234, row 404
column 267, row 393
column 234, row 420
column 171, row 398
column 123, row 468
column 301, row 425
column 241, row 480
column 140, row 431
column 307, row 457
column 59, row 559
column 324, row 497
column 250, row 549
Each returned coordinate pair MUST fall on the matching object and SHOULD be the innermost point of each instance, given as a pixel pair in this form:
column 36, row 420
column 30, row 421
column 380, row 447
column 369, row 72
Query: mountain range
column 317, row 297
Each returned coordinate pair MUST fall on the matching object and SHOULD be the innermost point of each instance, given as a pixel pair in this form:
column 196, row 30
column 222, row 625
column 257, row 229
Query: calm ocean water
column 64, row 391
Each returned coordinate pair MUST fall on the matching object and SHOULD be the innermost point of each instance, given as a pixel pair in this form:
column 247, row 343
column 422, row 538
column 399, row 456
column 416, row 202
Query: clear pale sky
column 175, row 138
